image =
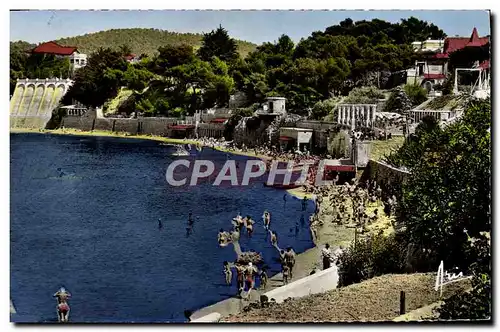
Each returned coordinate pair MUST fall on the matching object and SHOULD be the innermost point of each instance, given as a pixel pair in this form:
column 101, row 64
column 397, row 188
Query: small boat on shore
column 180, row 151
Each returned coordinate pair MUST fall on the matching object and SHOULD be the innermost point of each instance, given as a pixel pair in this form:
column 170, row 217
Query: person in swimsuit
column 274, row 239
column 267, row 219
column 290, row 260
column 249, row 278
column 263, row 278
column 249, row 225
column 239, row 278
column 228, row 273
column 286, row 274
column 62, row 305
column 221, row 237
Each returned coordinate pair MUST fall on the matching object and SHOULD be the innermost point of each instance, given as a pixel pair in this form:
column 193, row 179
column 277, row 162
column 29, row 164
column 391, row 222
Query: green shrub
column 416, row 93
column 364, row 95
column 323, row 108
column 372, row 257
column 398, row 101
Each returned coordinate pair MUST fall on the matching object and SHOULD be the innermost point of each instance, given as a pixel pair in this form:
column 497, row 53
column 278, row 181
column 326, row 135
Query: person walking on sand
column 240, row 278
column 290, row 260
column 326, row 256
column 286, row 274
column 263, row 278
column 249, row 278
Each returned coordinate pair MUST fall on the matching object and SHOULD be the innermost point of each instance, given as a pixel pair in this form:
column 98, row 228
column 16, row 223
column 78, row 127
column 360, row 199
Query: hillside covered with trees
column 141, row 41
column 326, row 64
column 182, row 78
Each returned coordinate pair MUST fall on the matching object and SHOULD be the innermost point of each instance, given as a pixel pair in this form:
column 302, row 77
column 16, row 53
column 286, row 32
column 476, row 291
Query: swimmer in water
column 61, row 173
column 249, row 225
column 160, row 225
column 304, row 203
column 190, row 218
column 221, row 237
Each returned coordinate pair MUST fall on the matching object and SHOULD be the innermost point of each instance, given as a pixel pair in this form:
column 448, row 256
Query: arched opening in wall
column 427, row 85
column 16, row 99
column 26, row 102
column 47, row 100
column 37, row 100
column 58, row 94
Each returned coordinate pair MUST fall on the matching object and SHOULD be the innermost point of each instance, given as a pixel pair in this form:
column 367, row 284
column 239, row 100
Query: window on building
column 421, row 69
column 71, row 60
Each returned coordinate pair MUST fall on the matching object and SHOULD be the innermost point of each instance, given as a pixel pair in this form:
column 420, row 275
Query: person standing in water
column 249, row 224
column 160, row 225
column 228, row 273
column 274, row 239
column 267, row 219
column 304, row 203
column 62, row 305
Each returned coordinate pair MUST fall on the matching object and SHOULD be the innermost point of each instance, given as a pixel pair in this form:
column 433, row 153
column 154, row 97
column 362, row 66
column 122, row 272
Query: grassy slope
column 381, row 148
column 140, row 40
column 111, row 105
column 376, row 299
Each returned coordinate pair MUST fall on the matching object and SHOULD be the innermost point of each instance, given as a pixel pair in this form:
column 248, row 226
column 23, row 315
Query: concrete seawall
column 317, row 283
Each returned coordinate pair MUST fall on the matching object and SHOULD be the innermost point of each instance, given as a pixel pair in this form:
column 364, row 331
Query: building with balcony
column 433, row 56
column 76, row 59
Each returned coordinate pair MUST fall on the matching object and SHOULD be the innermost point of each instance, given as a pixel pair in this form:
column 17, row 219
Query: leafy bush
column 416, row 93
column 323, row 108
column 475, row 304
column 372, row 257
column 398, row 101
column 364, row 95
column 338, row 148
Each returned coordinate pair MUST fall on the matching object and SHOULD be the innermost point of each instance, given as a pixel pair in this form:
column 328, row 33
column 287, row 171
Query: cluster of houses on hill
column 431, row 68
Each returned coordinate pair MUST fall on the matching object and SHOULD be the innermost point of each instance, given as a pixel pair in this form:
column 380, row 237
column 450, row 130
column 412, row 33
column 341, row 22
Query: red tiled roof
column 54, row 48
column 434, row 76
column 452, row 44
